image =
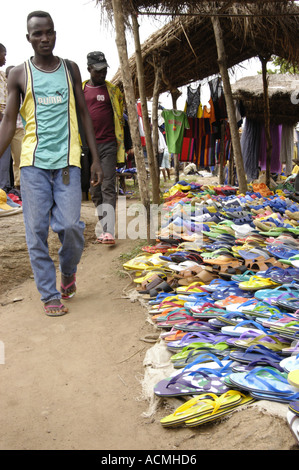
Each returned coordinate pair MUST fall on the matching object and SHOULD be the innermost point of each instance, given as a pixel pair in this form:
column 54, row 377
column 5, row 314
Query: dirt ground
column 75, row 382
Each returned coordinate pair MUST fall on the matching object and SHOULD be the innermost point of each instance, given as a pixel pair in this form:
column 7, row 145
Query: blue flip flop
column 282, row 251
column 263, row 380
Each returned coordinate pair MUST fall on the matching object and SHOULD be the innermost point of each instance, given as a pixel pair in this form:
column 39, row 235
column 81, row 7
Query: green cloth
column 175, row 124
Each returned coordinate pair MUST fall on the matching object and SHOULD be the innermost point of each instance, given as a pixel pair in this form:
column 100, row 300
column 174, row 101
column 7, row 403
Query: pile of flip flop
column 222, row 285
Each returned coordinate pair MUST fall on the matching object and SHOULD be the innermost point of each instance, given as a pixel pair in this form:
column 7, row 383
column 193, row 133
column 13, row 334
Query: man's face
column 2, row 57
column 41, row 35
column 98, row 77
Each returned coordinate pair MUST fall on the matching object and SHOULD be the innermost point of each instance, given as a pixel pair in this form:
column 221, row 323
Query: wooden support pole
column 131, row 108
column 229, row 105
column 152, row 160
column 264, row 61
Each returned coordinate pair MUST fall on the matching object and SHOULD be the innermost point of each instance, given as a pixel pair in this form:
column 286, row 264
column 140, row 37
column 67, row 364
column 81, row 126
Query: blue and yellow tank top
column 49, row 116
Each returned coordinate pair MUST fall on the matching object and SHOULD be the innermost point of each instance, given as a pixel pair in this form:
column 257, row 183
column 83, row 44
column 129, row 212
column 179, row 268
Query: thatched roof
column 187, row 50
column 283, row 92
column 174, row 7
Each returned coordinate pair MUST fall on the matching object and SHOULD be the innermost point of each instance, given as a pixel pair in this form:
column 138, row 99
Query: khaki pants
column 16, row 146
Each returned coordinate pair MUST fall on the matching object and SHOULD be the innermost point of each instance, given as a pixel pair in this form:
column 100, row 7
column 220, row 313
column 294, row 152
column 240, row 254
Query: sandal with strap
column 68, row 291
column 108, row 239
column 55, row 310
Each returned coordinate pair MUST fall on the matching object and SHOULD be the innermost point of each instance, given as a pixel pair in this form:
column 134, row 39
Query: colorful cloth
column 49, row 116
column 175, row 124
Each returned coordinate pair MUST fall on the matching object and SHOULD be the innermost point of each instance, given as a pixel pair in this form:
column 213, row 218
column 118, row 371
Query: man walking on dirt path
column 50, row 159
column 105, row 104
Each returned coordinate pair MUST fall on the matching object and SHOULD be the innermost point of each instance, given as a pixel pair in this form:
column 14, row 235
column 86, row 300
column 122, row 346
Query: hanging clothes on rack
column 287, row 147
column 250, row 147
column 275, row 134
column 193, row 107
column 218, row 99
column 175, row 124
column 140, row 124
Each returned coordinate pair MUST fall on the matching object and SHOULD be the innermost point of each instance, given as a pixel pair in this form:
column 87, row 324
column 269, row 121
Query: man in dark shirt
column 105, row 104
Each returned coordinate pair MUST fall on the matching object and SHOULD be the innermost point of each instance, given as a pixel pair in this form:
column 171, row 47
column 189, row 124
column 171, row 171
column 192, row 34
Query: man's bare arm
column 8, row 123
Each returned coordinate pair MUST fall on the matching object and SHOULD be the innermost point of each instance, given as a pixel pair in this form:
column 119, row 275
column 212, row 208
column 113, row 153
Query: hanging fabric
column 275, row 134
column 218, row 99
column 175, row 124
column 193, row 107
column 287, row 147
column 140, row 124
column 250, row 147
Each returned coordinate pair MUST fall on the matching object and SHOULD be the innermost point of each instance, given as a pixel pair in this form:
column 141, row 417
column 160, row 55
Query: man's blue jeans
column 47, row 201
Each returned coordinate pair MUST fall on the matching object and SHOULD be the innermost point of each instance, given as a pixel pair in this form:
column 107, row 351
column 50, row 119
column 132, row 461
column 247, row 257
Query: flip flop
column 108, row 239
column 293, row 378
column 273, row 294
column 290, row 363
column 294, row 406
column 100, row 238
column 246, row 400
column 255, row 283
column 192, row 383
column 202, row 405
column 55, row 310
column 239, row 329
column 263, row 379
column 257, row 355
column 268, row 342
column 64, row 289
column 293, row 422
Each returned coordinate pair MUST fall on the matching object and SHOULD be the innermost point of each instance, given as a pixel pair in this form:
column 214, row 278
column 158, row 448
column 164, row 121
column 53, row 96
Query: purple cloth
column 275, row 133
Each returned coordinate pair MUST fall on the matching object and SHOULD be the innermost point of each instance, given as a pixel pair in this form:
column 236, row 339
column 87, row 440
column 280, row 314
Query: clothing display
column 140, row 124
column 175, row 124
column 193, row 106
column 275, row 133
column 250, row 145
column 287, row 147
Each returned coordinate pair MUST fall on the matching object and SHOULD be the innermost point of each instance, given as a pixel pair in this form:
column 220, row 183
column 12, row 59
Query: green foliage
column 282, row 66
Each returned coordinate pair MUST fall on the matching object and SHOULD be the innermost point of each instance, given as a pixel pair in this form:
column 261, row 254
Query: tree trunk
column 174, row 96
column 152, row 158
column 264, row 61
column 230, row 105
column 131, row 108
column 221, row 159
column 155, row 104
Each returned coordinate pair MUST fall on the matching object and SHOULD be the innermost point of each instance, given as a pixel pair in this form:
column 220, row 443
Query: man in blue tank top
column 50, row 159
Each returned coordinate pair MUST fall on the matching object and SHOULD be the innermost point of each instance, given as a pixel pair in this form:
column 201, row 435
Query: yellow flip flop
column 202, row 405
column 246, row 400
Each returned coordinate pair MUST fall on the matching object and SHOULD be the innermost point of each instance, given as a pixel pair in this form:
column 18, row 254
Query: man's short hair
column 39, row 14
column 2, row 48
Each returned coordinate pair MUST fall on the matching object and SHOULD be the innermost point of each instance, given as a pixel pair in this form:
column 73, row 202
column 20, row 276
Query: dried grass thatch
column 283, row 91
column 175, row 7
column 186, row 45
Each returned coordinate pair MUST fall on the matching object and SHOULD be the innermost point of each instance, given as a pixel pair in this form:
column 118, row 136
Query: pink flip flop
column 108, row 239
column 64, row 289
column 55, row 310
column 100, row 238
